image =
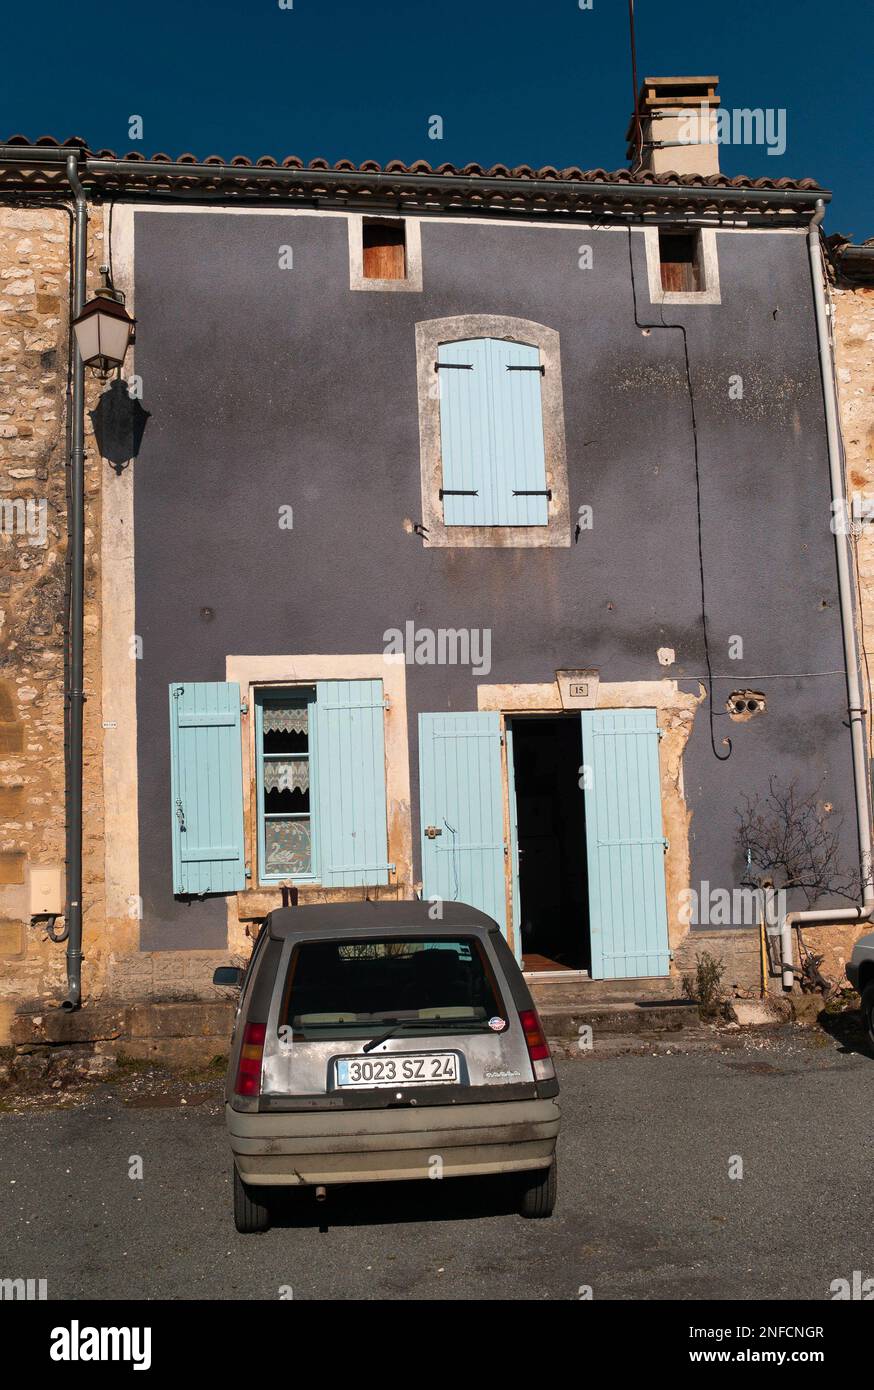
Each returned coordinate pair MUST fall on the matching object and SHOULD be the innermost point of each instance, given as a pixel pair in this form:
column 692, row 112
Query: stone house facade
column 613, row 644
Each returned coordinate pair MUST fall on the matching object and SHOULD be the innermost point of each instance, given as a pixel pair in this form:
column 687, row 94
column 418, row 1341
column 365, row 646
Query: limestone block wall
column 854, row 354
column 34, row 319
column 34, row 336
column 853, row 308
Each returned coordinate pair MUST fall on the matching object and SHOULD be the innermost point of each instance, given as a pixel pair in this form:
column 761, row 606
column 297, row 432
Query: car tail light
column 248, row 1081
column 538, row 1047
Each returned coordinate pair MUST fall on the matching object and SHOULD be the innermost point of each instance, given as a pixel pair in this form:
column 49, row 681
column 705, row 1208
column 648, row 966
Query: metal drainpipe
column 864, row 912
column 76, row 533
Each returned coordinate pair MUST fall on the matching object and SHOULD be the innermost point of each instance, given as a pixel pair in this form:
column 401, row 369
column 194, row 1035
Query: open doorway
column 550, row 821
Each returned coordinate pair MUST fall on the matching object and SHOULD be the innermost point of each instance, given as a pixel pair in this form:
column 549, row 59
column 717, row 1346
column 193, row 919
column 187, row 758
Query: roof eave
column 41, row 170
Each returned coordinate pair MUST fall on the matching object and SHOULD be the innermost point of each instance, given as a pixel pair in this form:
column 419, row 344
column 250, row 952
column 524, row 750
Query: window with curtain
column 284, row 765
column 320, row 785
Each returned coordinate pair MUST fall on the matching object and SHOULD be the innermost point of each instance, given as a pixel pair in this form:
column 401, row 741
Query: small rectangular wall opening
column 551, row 838
column 384, row 251
column 680, row 261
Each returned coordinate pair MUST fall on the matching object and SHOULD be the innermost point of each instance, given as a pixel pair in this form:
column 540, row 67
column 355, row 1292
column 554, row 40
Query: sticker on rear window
column 497, row 1025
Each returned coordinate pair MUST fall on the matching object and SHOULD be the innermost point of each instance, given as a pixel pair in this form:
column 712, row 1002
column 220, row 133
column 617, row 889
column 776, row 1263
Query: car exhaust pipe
column 321, row 1193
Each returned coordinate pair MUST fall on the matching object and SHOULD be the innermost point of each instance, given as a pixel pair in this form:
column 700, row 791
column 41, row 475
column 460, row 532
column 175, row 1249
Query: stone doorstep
column 579, row 990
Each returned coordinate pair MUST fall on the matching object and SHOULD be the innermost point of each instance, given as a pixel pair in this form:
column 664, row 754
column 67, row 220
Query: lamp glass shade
column 103, row 332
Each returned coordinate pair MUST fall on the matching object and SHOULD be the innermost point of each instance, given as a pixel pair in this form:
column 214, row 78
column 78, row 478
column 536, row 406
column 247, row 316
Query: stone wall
column 855, row 363
column 740, row 951
column 34, row 319
column 854, row 353
column 34, row 330
column 853, row 318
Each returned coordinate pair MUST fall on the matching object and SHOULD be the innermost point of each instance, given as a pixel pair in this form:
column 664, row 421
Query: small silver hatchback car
column 374, row 1044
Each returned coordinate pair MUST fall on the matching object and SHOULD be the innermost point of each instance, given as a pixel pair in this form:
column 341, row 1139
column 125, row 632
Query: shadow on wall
column 119, row 423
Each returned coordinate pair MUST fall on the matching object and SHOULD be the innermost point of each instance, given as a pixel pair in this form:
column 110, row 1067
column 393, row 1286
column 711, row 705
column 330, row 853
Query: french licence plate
column 405, row 1068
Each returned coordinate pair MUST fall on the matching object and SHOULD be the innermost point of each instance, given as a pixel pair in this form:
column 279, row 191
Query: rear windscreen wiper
column 383, row 1037
column 471, row 1024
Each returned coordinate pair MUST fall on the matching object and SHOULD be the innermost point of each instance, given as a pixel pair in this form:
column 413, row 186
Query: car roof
column 372, row 918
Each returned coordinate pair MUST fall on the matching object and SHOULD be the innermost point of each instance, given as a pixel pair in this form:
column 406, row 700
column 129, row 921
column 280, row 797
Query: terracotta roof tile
column 471, row 171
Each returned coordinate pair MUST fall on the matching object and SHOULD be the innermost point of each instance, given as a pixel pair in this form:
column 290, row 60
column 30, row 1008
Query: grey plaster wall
column 272, row 387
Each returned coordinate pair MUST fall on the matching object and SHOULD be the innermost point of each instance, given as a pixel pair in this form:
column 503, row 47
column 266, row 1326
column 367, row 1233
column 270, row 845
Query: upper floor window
column 491, row 433
column 682, row 265
column 385, row 253
column 384, row 250
column 491, row 427
column 680, row 260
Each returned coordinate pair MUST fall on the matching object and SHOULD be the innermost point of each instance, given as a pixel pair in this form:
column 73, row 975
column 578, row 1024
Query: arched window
column 490, row 409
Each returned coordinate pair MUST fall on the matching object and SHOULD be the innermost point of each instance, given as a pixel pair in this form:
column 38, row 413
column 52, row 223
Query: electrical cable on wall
column 723, row 757
column 638, row 133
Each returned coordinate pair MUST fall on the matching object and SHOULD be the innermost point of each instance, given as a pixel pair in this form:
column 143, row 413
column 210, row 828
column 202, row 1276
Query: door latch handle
column 431, row 832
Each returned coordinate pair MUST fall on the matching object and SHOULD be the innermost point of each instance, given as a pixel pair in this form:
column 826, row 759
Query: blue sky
column 515, row 81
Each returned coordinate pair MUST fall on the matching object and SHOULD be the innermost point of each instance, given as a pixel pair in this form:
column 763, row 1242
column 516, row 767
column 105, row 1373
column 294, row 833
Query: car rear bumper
column 387, row 1145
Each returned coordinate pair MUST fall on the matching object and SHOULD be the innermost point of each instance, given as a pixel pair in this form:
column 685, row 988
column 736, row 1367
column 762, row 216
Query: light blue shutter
column 206, row 787
column 461, row 797
column 517, row 408
column 625, row 844
column 349, row 765
column 466, row 442
column 491, row 434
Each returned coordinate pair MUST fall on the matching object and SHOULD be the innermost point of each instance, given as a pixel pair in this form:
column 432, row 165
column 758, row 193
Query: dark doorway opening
column 551, row 835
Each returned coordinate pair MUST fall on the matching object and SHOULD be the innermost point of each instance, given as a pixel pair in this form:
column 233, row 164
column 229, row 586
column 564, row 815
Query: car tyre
column 868, row 1011
column 539, row 1192
column 250, row 1214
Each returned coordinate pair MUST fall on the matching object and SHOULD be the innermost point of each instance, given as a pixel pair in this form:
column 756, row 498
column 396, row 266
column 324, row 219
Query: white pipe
column 855, row 708
column 827, row 916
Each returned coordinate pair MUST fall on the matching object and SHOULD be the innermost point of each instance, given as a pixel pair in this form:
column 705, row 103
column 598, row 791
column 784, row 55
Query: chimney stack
column 678, row 126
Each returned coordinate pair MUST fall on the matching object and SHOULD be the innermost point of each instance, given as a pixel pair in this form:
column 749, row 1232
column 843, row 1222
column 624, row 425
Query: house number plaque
column 578, row 689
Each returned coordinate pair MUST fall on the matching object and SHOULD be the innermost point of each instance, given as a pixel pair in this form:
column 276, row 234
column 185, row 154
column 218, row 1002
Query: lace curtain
column 285, row 719
column 286, row 774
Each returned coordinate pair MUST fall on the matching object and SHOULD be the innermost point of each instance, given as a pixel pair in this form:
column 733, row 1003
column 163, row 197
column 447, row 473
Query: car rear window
column 353, row 988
